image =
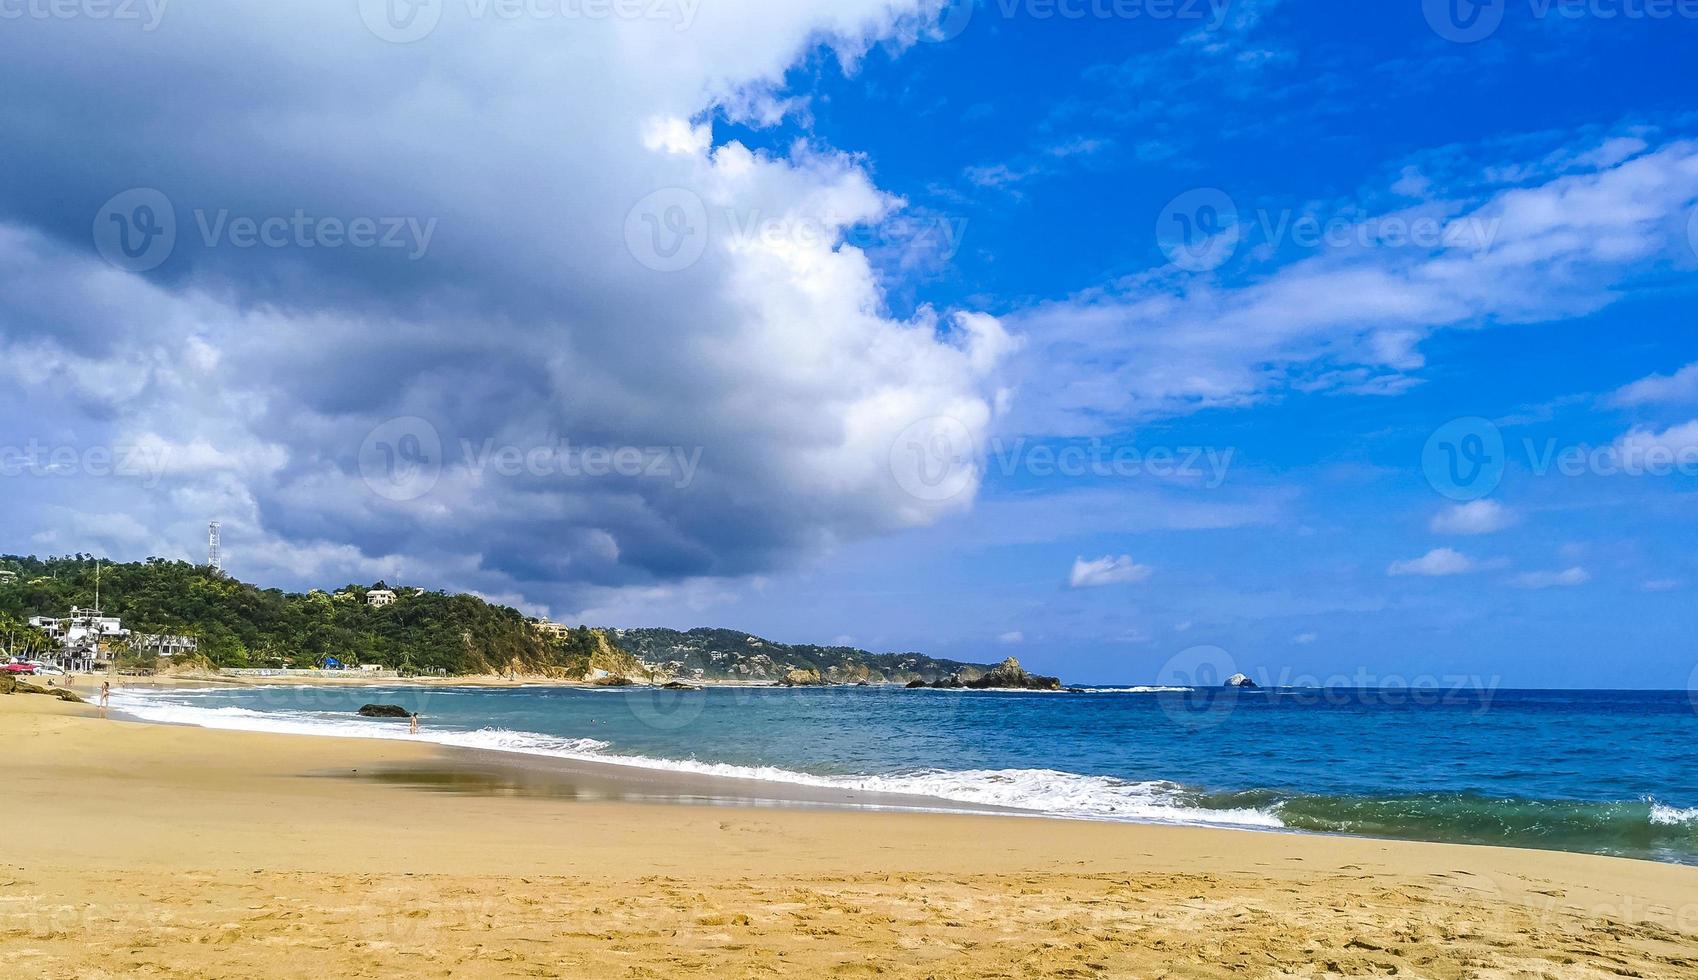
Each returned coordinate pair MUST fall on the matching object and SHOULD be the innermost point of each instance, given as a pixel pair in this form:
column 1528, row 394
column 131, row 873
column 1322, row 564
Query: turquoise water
column 1599, row 771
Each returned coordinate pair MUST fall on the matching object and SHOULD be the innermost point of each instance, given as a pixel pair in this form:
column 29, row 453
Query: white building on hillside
column 163, row 644
column 81, row 634
column 380, row 597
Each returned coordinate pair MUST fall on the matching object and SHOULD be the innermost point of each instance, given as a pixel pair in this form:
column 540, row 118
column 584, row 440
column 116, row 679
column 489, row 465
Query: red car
column 19, row 669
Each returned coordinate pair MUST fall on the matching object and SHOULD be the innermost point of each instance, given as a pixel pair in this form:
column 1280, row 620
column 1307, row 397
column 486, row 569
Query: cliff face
column 609, row 659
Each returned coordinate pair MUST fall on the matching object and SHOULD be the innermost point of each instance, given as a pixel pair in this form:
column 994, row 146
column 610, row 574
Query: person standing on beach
column 415, row 729
column 105, row 693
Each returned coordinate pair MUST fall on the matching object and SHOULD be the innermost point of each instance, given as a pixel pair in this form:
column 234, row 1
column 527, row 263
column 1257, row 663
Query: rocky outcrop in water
column 802, row 678
column 384, row 711
column 1240, row 680
column 1008, row 675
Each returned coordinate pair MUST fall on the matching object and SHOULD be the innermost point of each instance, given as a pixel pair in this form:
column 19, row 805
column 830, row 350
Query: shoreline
column 185, row 851
column 523, row 763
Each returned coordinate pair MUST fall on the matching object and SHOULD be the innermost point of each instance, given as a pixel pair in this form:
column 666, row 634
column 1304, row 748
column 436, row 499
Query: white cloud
column 1661, row 585
column 1352, row 318
column 1548, row 580
column 1012, row 636
column 1678, row 388
column 1676, row 445
column 531, row 318
column 1107, row 570
column 1475, row 517
column 1435, row 563
column 1304, row 639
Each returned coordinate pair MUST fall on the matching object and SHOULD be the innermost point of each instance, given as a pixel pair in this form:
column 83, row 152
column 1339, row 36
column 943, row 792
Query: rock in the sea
column 613, row 680
column 1240, row 680
column 679, row 686
column 913, row 684
column 802, row 678
column 1009, row 673
column 384, row 711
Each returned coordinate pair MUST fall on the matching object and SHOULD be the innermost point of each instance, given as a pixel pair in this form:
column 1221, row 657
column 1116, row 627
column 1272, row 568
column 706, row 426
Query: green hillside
column 732, row 655
column 242, row 625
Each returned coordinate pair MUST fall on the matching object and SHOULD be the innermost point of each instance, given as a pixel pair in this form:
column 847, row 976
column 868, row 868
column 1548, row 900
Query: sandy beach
column 179, row 852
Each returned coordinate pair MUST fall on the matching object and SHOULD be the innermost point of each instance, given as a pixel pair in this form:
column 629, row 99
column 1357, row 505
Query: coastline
column 182, row 850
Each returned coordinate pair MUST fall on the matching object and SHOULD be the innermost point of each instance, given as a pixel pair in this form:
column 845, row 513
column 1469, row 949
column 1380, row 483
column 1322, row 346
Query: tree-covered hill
column 721, row 654
column 242, row 625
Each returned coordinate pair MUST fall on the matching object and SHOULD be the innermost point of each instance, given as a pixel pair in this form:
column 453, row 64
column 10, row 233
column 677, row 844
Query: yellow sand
column 136, row 850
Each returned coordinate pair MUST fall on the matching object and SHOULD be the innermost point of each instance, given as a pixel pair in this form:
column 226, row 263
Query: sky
column 1145, row 340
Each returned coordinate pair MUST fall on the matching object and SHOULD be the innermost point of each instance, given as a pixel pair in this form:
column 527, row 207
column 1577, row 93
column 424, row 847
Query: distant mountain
column 732, row 655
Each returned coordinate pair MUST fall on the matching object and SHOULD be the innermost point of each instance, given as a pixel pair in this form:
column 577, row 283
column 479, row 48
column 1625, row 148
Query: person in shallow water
column 415, row 729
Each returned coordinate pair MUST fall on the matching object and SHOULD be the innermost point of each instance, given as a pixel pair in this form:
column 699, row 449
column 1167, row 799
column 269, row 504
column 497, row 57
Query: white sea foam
column 1044, row 791
column 1664, row 815
column 1135, row 690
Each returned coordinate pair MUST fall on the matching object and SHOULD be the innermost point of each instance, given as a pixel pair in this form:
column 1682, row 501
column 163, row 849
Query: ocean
column 1608, row 772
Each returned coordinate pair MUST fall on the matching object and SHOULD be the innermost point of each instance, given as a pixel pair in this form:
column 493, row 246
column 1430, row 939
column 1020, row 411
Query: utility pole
column 213, row 560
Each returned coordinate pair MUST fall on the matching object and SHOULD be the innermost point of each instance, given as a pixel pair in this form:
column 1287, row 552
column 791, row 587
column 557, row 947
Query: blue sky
column 950, row 250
